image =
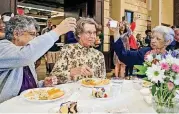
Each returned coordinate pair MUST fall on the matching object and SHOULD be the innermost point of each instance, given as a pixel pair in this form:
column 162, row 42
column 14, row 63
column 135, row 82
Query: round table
column 126, row 97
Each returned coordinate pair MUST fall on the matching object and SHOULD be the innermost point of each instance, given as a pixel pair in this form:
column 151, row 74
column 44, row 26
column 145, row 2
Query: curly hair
column 82, row 21
column 168, row 33
column 19, row 24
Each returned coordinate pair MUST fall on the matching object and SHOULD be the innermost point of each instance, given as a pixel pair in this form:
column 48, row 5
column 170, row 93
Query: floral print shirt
column 75, row 55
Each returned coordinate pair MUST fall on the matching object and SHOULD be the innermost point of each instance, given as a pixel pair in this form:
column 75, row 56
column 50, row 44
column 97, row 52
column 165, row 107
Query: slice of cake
column 99, row 93
column 68, row 108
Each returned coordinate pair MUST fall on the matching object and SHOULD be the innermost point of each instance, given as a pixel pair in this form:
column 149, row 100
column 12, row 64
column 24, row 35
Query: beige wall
column 57, row 20
column 156, row 13
column 167, row 12
column 106, row 30
column 118, row 8
column 139, row 8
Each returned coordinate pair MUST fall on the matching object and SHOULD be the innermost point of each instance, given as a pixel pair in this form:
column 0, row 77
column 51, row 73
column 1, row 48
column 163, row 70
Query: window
column 129, row 16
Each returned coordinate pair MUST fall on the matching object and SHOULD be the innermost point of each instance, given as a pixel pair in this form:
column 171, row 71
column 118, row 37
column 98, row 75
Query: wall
column 7, row 6
column 167, row 12
column 139, row 7
column 106, row 30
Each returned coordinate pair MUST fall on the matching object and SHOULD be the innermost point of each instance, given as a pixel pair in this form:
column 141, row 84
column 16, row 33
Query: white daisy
column 169, row 59
column 149, row 58
column 155, row 73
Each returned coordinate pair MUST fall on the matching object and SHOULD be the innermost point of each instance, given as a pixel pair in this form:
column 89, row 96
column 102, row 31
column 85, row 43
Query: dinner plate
column 34, row 97
column 101, row 82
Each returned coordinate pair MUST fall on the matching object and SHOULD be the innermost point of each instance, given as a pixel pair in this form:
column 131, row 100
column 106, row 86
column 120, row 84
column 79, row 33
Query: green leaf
column 153, row 90
column 142, row 69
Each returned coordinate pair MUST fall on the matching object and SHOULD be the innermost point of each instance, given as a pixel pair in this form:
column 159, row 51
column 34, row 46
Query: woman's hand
column 50, row 81
column 115, row 30
column 82, row 70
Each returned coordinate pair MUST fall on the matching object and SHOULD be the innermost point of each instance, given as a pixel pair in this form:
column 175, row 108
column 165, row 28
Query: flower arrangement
column 162, row 70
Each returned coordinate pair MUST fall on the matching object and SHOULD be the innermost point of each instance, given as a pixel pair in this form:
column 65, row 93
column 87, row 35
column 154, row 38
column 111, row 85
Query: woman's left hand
column 50, row 81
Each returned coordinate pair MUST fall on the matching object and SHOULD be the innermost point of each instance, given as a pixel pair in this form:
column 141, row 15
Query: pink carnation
column 175, row 68
column 165, row 66
column 170, row 86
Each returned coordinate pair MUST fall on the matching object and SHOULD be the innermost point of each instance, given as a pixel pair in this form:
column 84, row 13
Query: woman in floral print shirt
column 80, row 60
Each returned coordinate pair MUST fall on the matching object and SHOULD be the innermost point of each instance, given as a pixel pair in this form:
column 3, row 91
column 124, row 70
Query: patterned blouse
column 75, row 55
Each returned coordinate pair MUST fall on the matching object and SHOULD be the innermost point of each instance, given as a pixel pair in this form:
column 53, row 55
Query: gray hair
column 19, row 24
column 81, row 22
column 168, row 33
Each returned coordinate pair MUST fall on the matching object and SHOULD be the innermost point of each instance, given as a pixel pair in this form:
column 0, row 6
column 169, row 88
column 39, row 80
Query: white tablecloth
column 127, row 97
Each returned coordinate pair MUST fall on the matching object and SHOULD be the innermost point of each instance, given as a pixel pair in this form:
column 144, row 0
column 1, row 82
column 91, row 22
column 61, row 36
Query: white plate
column 66, row 93
column 96, row 79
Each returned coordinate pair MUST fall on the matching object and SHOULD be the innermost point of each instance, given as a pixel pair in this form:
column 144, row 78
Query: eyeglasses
column 33, row 34
column 89, row 33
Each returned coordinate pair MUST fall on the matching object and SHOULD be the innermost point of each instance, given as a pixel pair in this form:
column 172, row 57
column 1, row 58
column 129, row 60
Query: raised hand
column 69, row 24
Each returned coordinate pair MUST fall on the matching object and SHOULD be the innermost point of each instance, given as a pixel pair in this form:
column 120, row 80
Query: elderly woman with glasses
column 80, row 60
column 161, row 37
column 20, row 49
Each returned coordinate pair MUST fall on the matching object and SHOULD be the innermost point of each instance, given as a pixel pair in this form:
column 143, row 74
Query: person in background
column 99, row 40
column 133, row 47
column 47, row 29
column 80, row 60
column 175, row 44
column 124, row 32
column 173, row 27
column 139, row 40
column 52, row 54
column 20, row 49
column 148, row 37
column 70, row 38
column 132, row 39
column 6, row 16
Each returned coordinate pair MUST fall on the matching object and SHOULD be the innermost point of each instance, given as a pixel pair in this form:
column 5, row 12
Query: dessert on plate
column 99, row 93
column 68, row 107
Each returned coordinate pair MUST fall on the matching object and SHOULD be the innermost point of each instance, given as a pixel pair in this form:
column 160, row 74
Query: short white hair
column 168, row 33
